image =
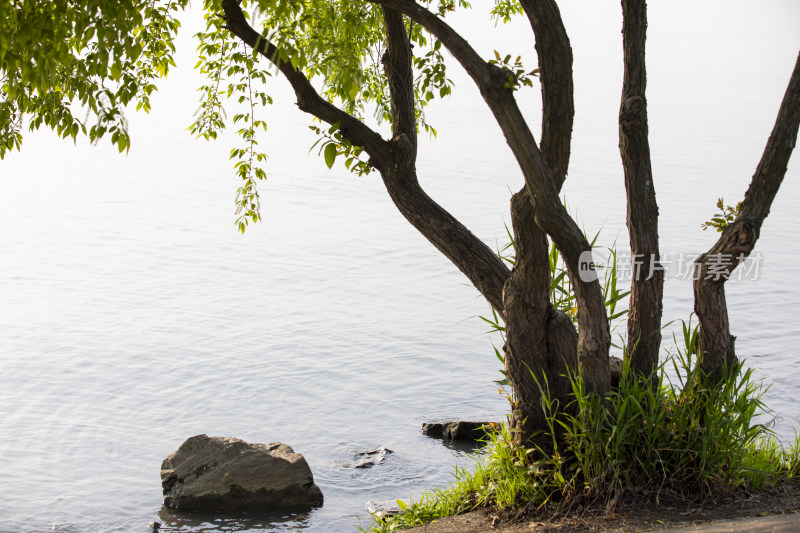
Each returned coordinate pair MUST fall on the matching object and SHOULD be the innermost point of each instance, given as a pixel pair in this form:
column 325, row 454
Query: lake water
column 133, row 315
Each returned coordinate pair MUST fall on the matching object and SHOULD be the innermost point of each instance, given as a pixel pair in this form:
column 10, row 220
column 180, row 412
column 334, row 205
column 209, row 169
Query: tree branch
column 491, row 81
column 481, row 71
column 394, row 159
column 715, row 343
column 555, row 74
column 558, row 110
column 399, row 72
column 476, row 260
column 772, row 167
column 308, row 99
column 468, row 253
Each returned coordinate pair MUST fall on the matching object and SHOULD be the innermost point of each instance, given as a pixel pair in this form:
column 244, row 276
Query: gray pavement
column 760, row 524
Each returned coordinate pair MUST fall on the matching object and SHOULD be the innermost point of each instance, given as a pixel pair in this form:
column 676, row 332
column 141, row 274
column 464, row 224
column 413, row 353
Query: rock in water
column 372, row 458
column 227, row 474
column 460, row 429
column 380, row 509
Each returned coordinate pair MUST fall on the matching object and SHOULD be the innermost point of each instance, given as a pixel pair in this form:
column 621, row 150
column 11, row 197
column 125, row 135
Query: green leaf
column 354, row 90
column 330, row 154
column 116, row 71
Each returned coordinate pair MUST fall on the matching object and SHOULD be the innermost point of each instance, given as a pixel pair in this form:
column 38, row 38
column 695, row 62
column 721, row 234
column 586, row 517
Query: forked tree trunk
column 715, row 344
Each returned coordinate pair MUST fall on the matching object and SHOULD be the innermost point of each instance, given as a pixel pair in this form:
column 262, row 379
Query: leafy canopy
column 76, row 66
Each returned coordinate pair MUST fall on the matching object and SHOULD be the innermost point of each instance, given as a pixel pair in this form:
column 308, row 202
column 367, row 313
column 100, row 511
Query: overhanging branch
column 394, row 159
column 308, row 99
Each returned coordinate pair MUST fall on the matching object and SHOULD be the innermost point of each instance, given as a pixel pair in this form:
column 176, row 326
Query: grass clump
column 688, row 439
column 649, row 437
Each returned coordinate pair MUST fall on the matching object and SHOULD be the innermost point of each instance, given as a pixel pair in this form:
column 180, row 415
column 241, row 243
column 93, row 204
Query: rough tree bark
column 541, row 342
column 555, row 75
column 647, row 283
column 715, row 344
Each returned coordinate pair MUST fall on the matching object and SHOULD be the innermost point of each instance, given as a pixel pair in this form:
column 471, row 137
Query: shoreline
column 479, row 522
column 773, row 509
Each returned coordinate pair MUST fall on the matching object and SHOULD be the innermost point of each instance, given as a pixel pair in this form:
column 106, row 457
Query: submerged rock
column 371, row 458
column 460, row 429
column 228, row 474
column 381, row 509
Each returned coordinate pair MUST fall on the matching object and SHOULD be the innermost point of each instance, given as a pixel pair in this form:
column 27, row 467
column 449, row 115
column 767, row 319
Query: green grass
column 675, row 437
column 672, row 435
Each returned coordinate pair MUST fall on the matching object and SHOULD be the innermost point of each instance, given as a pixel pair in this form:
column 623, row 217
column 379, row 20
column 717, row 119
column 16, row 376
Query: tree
column 347, row 59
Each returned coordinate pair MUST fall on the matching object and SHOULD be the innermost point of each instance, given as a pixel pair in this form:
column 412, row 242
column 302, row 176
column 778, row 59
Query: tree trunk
column 541, row 342
column 647, row 283
column 715, row 344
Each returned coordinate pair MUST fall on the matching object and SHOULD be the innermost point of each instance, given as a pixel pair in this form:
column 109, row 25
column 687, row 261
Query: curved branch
column 772, row 167
column 308, row 99
column 555, row 74
column 467, row 252
column 715, row 347
column 476, row 260
column 394, row 159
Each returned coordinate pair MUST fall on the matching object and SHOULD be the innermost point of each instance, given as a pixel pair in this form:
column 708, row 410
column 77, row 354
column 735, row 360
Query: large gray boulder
column 227, row 474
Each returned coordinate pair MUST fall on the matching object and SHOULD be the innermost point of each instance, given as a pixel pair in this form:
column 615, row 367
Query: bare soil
column 636, row 513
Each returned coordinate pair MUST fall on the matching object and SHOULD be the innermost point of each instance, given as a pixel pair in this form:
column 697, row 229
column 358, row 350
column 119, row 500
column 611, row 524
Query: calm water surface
column 133, row 315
